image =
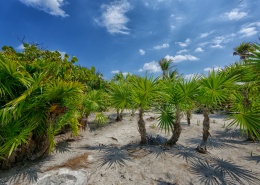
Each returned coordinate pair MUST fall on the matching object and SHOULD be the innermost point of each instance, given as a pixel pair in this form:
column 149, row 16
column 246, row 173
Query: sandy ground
column 112, row 155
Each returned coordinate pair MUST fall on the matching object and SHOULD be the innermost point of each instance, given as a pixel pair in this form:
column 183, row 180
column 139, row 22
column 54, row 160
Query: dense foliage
column 43, row 94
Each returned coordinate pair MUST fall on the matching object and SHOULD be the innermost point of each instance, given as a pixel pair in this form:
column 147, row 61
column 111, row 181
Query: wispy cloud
column 115, row 71
column 215, row 68
column 189, row 76
column 126, row 73
column 182, row 51
column 20, row 47
column 218, row 41
column 184, row 44
column 199, row 49
column 249, row 29
column 235, row 14
column 113, row 17
column 203, row 35
column 150, row 67
column 247, row 32
column 180, row 58
column 217, row 46
column 166, row 45
column 62, row 53
column 141, row 51
column 52, row 7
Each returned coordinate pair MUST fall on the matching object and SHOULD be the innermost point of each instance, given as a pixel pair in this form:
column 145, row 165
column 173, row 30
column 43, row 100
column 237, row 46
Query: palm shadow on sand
column 209, row 169
column 29, row 174
column 110, row 156
column 215, row 170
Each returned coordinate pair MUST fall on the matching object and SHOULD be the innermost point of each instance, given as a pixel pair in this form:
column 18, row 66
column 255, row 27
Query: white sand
column 115, row 157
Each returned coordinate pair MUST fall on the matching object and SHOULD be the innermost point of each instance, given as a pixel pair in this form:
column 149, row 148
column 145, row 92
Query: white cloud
column 150, row 67
column 184, row 44
column 204, row 44
column 235, row 14
column 182, row 51
column 172, row 27
column 199, row 49
column 52, row 7
column 249, row 29
column 113, row 17
column 255, row 24
column 203, row 35
column 115, row 71
column 189, row 76
column 247, row 32
column 62, row 53
column 180, row 58
column 20, row 47
column 166, row 45
column 142, row 52
column 218, row 41
column 217, row 46
column 215, row 68
column 126, row 73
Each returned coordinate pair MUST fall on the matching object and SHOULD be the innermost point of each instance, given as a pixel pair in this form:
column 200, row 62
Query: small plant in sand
column 198, row 122
column 153, row 126
column 214, row 121
column 101, row 119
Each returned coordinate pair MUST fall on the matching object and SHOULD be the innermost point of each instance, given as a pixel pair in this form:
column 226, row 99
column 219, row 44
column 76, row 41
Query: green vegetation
column 43, row 94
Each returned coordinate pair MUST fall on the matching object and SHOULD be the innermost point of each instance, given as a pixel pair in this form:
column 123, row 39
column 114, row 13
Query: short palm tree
column 165, row 66
column 180, row 94
column 243, row 50
column 144, row 92
column 214, row 90
column 120, row 97
column 93, row 101
column 245, row 100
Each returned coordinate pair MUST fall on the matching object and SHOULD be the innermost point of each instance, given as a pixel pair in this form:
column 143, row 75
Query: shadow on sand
column 214, row 170
column 29, row 174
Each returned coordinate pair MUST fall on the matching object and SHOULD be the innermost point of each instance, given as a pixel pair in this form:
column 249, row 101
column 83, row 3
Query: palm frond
column 166, row 118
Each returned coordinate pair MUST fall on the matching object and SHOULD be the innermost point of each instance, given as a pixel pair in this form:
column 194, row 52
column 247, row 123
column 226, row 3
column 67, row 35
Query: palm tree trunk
column 141, row 127
column 206, row 125
column 84, row 122
column 188, row 116
column 246, row 104
column 176, row 132
column 118, row 115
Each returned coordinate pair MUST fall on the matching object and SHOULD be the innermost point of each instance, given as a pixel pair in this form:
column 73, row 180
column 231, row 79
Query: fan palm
column 144, row 91
column 243, row 50
column 214, row 90
column 35, row 106
column 180, row 97
column 93, row 101
column 246, row 99
column 120, row 97
column 165, row 66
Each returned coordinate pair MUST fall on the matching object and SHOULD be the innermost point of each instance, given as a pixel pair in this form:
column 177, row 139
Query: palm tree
column 214, row 90
column 245, row 100
column 120, row 97
column 37, row 99
column 144, row 91
column 93, row 101
column 180, row 94
column 165, row 66
column 243, row 50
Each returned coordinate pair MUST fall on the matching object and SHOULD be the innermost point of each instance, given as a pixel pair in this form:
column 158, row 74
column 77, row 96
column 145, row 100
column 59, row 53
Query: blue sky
column 133, row 35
